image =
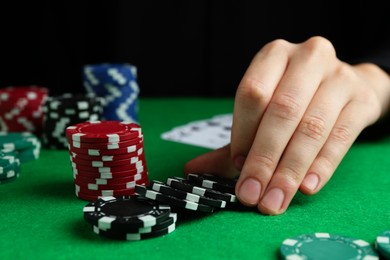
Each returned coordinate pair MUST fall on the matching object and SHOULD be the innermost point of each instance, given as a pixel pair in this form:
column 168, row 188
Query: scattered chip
column 222, row 186
column 184, row 184
column 326, row 246
column 382, row 244
column 184, row 195
column 170, row 200
column 125, row 211
column 134, row 236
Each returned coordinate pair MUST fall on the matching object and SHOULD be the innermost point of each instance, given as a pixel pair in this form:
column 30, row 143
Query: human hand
column 298, row 109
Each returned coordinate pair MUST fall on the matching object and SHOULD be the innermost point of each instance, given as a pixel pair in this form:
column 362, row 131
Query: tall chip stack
column 21, row 109
column 107, row 158
column 65, row 110
column 117, row 84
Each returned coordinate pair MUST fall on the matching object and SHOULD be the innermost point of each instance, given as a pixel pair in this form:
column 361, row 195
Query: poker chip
column 106, row 150
column 184, row 184
column 219, row 179
column 109, row 186
column 24, row 145
column 109, row 158
column 115, row 213
column 9, row 167
column 109, row 181
column 326, row 246
column 142, row 230
column 103, row 193
column 171, row 200
column 120, row 168
column 66, row 110
column 109, row 175
column 117, row 85
column 135, row 236
column 222, row 186
column 96, row 163
column 21, row 109
column 180, row 194
column 106, row 146
column 382, row 244
column 109, row 131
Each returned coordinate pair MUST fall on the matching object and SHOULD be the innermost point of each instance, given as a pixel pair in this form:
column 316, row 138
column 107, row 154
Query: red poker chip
column 108, row 158
column 87, row 197
column 116, row 186
column 21, row 108
column 103, row 132
column 109, row 175
column 106, row 146
column 33, row 93
column 119, row 168
column 117, row 180
column 121, row 192
column 95, row 163
column 104, row 152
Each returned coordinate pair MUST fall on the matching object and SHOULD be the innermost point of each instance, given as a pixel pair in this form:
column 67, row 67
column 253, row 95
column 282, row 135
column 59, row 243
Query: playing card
column 212, row 133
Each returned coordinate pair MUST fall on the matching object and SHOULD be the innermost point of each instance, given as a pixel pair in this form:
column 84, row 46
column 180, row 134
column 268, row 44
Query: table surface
column 41, row 218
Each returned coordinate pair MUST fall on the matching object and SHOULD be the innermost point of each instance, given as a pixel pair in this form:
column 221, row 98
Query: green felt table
column 41, row 218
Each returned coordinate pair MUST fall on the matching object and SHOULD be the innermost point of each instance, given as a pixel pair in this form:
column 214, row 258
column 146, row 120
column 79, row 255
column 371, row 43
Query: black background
column 181, row 48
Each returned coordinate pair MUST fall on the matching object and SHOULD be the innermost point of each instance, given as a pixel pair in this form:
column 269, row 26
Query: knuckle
column 326, row 165
column 342, row 133
column 313, row 127
column 251, row 89
column 318, row 45
column 293, row 177
column 276, row 46
column 344, row 72
column 285, row 106
column 365, row 96
column 264, row 160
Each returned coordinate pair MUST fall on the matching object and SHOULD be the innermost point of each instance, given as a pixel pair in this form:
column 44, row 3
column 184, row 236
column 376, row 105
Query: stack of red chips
column 21, row 109
column 107, row 158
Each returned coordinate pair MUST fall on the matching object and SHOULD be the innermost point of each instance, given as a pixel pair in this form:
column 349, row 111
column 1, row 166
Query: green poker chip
column 10, row 171
column 24, row 145
column 382, row 244
column 2, row 181
column 16, row 140
column 6, row 159
column 326, row 246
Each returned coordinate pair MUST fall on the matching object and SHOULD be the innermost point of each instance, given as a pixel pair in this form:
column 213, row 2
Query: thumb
column 217, row 162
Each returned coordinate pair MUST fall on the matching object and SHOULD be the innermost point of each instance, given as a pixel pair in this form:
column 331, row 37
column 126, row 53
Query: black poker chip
column 65, row 110
column 160, row 225
column 221, row 180
column 171, row 200
column 134, row 236
column 184, row 184
column 184, row 195
column 202, row 181
column 116, row 213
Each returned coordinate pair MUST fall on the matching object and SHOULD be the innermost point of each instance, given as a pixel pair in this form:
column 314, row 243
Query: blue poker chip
column 117, row 85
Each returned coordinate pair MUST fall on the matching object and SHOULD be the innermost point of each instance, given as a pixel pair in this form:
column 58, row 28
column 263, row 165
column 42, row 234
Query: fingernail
column 311, row 181
column 250, row 191
column 273, row 199
column 239, row 162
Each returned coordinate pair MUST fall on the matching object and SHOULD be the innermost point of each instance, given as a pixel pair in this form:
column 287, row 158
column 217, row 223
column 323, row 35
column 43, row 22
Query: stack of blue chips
column 117, row 85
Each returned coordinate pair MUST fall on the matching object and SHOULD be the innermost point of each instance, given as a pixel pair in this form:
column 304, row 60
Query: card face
column 212, row 133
